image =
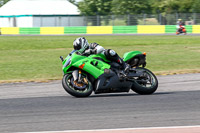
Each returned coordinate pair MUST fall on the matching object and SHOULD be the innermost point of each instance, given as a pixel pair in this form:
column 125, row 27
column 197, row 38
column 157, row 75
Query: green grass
column 37, row 57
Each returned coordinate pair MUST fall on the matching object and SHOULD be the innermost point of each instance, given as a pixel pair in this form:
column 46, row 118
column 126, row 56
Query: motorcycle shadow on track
column 128, row 95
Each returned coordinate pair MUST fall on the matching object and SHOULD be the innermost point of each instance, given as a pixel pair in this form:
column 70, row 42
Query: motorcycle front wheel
column 146, row 84
column 77, row 89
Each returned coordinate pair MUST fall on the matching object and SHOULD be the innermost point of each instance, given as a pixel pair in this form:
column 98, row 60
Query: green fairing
column 100, row 56
column 91, row 65
column 78, row 60
column 130, row 55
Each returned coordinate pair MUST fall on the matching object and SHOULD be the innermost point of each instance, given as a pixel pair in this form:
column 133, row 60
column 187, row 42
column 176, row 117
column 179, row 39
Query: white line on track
column 172, row 129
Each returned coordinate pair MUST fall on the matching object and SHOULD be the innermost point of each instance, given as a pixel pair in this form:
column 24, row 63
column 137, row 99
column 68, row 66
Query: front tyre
column 146, row 84
column 76, row 89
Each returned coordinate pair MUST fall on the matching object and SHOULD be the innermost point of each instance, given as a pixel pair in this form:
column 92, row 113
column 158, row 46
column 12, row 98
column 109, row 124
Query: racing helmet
column 80, row 44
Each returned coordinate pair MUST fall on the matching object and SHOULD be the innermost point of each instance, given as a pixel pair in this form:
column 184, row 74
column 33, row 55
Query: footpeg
column 122, row 75
column 126, row 70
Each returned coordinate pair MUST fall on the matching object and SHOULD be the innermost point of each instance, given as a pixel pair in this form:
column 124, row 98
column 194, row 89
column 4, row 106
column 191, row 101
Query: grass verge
column 36, row 58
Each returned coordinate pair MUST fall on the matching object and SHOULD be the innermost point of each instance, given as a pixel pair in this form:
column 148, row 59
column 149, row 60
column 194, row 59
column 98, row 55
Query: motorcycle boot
column 125, row 70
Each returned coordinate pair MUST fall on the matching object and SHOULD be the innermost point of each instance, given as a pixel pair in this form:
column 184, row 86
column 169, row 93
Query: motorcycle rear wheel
column 147, row 84
column 76, row 89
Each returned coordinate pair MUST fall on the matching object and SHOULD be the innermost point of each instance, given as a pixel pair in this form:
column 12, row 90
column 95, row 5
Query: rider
column 179, row 22
column 179, row 25
column 84, row 48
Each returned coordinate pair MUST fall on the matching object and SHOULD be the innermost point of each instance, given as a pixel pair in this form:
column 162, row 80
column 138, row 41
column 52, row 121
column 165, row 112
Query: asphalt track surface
column 34, row 107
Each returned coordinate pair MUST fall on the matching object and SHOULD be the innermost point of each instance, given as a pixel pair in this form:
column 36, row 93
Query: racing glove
column 90, row 51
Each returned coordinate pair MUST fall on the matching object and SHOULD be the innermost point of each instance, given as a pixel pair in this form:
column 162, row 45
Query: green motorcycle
column 94, row 73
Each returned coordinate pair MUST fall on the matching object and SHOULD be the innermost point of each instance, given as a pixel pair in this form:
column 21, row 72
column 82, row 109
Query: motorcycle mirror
column 61, row 58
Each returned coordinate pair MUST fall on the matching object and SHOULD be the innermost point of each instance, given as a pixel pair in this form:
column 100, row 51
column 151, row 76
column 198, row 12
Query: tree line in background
column 2, row 2
column 122, row 7
column 135, row 7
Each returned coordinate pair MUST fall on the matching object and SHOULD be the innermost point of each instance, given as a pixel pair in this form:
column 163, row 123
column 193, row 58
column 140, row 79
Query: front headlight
column 68, row 62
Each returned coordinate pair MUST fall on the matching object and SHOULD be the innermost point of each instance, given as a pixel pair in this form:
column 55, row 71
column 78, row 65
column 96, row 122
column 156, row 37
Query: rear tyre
column 146, row 84
column 76, row 89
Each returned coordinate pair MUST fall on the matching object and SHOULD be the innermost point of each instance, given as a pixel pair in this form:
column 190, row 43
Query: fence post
column 68, row 20
column 60, row 21
column 177, row 16
column 98, row 19
column 84, row 20
column 113, row 21
column 194, row 15
column 160, row 18
column 41, row 21
column 55, row 22
column 128, row 19
column 144, row 19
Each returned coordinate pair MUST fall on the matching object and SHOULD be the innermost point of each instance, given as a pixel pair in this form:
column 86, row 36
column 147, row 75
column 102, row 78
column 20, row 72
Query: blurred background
column 56, row 13
column 25, row 57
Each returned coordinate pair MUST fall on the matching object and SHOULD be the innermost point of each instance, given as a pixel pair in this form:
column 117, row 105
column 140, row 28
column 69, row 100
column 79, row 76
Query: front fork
column 77, row 76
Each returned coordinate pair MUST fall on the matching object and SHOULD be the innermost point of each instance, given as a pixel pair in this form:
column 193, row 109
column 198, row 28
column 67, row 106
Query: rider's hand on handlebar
column 88, row 51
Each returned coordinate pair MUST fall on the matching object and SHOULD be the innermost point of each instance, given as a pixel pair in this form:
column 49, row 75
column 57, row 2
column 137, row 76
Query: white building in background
column 39, row 13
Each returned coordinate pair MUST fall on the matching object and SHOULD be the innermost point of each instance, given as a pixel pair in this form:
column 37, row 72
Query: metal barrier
column 109, row 20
